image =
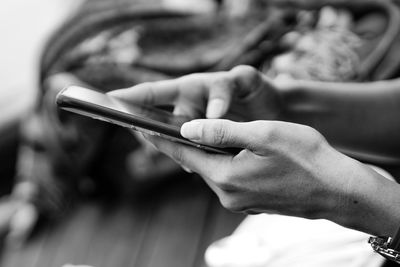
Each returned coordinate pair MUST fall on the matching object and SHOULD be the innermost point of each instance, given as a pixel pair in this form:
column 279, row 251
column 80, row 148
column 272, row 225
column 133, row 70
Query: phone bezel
column 67, row 101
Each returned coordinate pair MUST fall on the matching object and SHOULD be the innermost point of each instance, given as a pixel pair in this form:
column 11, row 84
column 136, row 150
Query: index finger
column 151, row 93
column 197, row 160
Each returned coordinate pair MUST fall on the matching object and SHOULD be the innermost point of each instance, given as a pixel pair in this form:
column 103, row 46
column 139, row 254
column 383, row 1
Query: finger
column 194, row 160
column 247, row 79
column 191, row 158
column 186, row 169
column 219, row 133
column 187, row 110
column 22, row 224
column 146, row 148
column 219, row 97
column 154, row 93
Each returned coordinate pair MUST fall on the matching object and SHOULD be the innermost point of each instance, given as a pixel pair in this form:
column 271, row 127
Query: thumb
column 217, row 132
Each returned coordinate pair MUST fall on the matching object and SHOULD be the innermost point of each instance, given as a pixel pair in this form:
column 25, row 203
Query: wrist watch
column 388, row 247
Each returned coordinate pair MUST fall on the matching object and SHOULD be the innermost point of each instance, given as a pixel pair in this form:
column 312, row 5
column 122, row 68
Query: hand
column 17, row 220
column 242, row 93
column 287, row 169
column 18, row 216
column 279, row 168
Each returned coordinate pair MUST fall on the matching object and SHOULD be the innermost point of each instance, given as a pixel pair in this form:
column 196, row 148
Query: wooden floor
column 168, row 226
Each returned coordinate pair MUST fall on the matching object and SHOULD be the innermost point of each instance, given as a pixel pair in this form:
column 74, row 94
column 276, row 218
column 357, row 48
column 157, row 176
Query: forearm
column 370, row 203
column 361, row 119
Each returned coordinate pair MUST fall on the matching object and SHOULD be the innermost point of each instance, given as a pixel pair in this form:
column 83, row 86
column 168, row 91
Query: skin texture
column 360, row 119
column 284, row 167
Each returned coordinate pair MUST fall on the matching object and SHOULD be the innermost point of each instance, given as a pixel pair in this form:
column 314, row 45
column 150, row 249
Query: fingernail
column 186, row 169
column 215, row 109
column 192, row 130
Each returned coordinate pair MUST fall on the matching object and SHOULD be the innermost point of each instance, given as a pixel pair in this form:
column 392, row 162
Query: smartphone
column 145, row 119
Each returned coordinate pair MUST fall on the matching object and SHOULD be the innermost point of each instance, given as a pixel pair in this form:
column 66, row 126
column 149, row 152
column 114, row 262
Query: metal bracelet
column 381, row 245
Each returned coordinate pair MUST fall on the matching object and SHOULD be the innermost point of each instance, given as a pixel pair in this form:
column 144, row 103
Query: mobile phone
column 145, row 119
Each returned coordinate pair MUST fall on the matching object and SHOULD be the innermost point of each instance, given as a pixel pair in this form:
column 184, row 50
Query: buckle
column 380, row 244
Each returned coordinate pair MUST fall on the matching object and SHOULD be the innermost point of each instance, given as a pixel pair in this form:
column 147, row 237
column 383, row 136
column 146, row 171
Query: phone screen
column 145, row 119
column 104, row 107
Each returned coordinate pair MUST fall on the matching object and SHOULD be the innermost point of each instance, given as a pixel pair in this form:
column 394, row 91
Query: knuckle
column 225, row 181
column 177, row 155
column 150, row 97
column 245, row 69
column 219, row 133
column 269, row 131
column 246, row 77
column 190, row 78
column 191, row 82
column 153, row 141
column 231, row 203
column 220, row 80
column 247, row 72
column 221, row 85
column 229, row 191
column 315, row 138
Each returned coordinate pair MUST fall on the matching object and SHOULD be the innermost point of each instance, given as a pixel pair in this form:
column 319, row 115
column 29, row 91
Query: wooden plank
column 176, row 227
column 74, row 242
column 55, row 235
column 166, row 226
column 126, row 248
column 120, row 235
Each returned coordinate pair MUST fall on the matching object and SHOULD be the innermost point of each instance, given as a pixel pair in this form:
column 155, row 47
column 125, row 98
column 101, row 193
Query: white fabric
column 282, row 241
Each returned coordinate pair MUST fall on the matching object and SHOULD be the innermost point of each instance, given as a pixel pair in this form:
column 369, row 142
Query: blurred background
column 25, row 27
column 78, row 191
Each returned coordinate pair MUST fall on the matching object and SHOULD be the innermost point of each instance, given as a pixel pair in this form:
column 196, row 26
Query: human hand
column 283, row 168
column 242, row 93
column 17, row 219
column 18, row 216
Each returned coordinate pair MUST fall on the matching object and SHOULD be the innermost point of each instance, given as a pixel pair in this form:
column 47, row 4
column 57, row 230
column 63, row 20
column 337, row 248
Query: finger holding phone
column 243, row 94
column 283, row 167
column 289, row 169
